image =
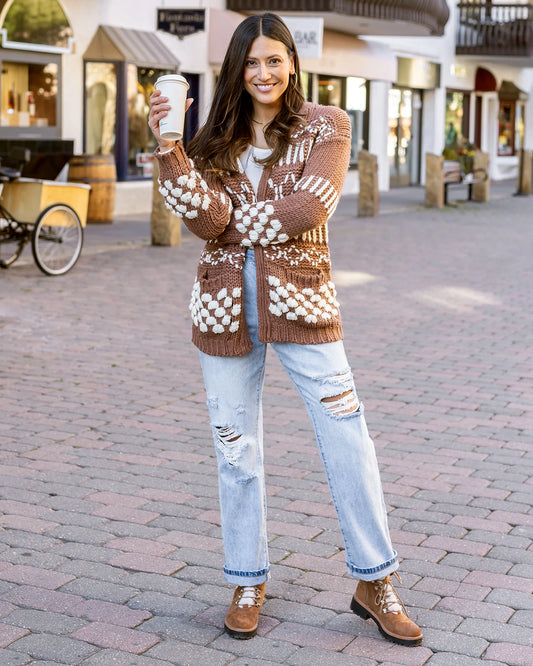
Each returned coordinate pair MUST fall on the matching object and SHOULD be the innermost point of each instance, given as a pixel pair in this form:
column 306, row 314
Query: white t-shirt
column 253, row 170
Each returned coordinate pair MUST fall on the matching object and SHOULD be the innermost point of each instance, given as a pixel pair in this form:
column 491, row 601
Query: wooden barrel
column 99, row 172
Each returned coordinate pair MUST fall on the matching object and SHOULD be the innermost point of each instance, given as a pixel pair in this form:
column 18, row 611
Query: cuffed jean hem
column 246, row 577
column 374, row 573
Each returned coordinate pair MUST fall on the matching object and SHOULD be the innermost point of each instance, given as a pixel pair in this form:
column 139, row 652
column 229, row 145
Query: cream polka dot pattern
column 258, row 225
column 215, row 313
column 190, row 197
column 313, row 306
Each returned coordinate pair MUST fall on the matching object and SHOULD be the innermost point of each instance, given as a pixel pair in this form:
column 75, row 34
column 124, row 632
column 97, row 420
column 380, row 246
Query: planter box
column 26, row 198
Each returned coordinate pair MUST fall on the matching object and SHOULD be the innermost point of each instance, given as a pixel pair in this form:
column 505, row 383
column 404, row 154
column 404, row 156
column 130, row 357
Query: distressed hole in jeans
column 230, row 443
column 342, row 404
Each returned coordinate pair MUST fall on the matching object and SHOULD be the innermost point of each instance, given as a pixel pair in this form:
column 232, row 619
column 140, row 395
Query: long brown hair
column 228, row 128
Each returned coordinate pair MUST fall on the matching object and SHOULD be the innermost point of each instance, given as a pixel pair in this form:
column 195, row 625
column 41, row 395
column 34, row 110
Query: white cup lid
column 172, row 77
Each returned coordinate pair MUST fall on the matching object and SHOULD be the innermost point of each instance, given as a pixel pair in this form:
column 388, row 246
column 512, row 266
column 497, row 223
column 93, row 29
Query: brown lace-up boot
column 243, row 615
column 377, row 599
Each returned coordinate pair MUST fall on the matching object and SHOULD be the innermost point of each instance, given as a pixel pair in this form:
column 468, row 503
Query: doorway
column 403, row 144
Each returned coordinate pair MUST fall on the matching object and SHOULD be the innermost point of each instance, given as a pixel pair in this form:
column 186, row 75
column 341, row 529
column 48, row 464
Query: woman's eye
column 250, row 63
column 275, row 61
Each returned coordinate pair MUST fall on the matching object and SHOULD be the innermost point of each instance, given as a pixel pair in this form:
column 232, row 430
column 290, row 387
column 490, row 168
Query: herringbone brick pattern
column 110, row 549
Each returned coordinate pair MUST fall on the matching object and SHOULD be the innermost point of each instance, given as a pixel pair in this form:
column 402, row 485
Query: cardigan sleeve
column 204, row 210
column 314, row 196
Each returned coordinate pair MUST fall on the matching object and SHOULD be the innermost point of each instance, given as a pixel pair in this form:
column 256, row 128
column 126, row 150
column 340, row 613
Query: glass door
column 401, row 148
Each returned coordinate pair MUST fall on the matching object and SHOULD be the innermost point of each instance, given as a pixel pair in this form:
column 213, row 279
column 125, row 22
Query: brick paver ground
column 110, row 549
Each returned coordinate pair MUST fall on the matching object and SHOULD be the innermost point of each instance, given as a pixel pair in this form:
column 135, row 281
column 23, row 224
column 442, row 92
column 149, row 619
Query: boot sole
column 365, row 614
column 240, row 635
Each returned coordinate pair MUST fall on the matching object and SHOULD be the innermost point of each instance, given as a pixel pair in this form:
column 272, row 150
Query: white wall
column 377, row 131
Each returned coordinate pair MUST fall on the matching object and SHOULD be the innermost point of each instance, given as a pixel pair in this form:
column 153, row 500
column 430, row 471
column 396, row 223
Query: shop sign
column 181, row 22
column 307, row 32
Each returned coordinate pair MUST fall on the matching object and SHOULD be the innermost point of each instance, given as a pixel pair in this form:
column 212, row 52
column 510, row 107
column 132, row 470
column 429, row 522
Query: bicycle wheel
column 12, row 242
column 57, row 239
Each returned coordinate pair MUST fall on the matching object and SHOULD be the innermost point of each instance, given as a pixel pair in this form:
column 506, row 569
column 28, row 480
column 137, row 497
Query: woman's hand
column 159, row 108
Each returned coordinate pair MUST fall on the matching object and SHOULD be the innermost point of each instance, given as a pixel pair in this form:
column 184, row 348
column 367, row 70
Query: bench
column 455, row 176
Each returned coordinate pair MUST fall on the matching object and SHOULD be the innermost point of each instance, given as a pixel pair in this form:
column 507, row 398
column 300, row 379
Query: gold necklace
column 260, row 123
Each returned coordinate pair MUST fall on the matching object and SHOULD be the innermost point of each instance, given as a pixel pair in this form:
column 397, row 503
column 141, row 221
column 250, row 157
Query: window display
column 399, row 143
column 510, row 128
column 29, row 94
column 356, row 100
column 457, row 116
column 330, row 90
column 141, row 142
column 100, row 110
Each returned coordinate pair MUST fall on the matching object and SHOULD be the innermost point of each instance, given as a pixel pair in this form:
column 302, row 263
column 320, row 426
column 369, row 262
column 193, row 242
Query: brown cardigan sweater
column 286, row 224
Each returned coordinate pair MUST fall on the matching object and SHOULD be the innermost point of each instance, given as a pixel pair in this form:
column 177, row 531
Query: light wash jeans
column 234, row 388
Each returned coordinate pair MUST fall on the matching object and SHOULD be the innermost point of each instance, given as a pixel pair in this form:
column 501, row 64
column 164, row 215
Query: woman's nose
column 264, row 71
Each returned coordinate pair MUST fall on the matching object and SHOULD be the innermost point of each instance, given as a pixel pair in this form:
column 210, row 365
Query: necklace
column 260, row 123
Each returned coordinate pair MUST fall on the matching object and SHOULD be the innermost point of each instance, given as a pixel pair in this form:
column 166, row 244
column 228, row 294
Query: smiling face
column 267, row 68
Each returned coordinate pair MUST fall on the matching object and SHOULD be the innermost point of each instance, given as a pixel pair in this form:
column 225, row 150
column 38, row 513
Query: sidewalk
column 127, row 229
column 110, row 548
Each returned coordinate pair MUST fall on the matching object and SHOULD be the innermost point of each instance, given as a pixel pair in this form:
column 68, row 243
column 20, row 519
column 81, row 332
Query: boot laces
column 248, row 595
column 387, row 597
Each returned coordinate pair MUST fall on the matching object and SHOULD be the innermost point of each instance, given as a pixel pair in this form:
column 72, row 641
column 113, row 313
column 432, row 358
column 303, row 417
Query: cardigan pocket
column 215, row 308
column 307, row 299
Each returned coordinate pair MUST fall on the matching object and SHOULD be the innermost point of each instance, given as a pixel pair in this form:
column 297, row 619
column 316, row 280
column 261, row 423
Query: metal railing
column 494, row 29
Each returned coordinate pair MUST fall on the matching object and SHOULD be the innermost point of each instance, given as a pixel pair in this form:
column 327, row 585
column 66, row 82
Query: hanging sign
column 307, row 33
column 181, row 22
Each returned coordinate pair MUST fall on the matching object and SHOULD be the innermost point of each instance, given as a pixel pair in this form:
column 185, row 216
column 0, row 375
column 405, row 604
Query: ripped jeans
column 321, row 374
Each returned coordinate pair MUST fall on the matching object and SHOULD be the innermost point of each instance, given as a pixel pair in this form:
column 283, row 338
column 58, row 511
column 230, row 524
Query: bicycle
column 54, row 230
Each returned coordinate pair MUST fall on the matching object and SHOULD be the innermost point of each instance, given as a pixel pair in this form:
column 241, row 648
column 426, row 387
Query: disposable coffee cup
column 174, row 87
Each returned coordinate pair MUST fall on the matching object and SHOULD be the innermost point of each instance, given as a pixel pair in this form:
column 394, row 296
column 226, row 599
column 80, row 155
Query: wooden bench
column 455, row 176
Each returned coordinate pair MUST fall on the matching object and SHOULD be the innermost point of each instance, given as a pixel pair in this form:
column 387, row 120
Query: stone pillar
column 525, row 169
column 481, row 190
column 368, row 199
column 434, row 181
column 165, row 227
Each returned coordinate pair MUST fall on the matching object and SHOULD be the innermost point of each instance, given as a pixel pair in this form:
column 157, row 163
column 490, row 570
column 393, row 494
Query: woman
column 258, row 183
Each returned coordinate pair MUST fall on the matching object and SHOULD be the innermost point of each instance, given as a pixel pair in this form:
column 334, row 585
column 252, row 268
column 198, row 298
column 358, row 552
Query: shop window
column 356, row 107
column 306, row 80
column 510, row 128
column 457, row 119
column 130, row 141
column 43, row 23
column 519, row 128
column 403, row 138
column 141, row 142
column 330, row 90
column 100, row 107
column 506, row 129
column 29, row 94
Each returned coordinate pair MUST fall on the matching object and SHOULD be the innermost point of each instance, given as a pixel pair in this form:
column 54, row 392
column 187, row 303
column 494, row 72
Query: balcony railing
column 430, row 15
column 488, row 28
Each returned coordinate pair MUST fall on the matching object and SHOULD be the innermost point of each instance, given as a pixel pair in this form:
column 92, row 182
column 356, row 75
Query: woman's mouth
column 264, row 87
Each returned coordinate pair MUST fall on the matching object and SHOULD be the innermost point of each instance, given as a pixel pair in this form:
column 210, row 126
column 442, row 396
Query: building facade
column 414, row 76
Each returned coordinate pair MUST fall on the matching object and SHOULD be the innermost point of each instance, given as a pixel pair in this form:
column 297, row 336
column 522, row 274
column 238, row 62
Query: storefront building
column 77, row 76
column 31, row 83
column 494, row 52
